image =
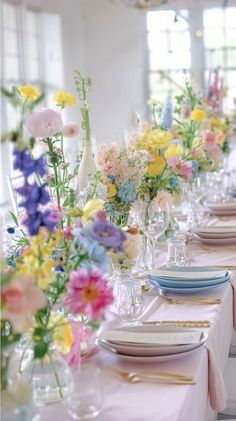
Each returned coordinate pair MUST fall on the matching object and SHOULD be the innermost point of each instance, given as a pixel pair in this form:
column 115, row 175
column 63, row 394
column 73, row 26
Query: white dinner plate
column 209, row 235
column 151, row 350
column 145, row 359
column 222, row 206
column 189, row 272
column 215, row 229
column 216, row 241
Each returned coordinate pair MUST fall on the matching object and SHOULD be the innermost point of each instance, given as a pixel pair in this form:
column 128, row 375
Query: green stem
column 56, row 375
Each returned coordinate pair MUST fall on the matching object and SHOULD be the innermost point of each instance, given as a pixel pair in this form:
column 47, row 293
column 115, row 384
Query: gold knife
column 183, row 323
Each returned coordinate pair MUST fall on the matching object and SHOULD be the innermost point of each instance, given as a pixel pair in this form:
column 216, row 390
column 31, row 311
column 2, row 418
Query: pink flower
column 215, row 152
column 180, row 166
column 100, row 215
column 67, row 233
column 73, row 356
column 20, row 300
column 44, row 123
column 163, row 199
column 70, row 129
column 209, row 139
column 88, row 293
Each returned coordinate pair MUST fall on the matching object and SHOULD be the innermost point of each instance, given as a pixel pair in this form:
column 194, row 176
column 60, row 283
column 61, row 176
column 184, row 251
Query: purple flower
column 25, row 163
column 107, row 234
column 40, row 219
column 44, row 123
column 35, row 195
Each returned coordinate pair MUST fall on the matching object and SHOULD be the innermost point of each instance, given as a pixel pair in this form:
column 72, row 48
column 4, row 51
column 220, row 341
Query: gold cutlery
column 183, row 323
column 169, row 378
column 197, row 300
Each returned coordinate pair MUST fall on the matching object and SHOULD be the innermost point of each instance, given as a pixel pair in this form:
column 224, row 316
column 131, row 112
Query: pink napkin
column 233, row 284
column 216, row 385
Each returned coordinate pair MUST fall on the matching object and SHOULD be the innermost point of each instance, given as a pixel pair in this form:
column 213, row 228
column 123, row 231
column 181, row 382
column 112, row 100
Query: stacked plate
column 217, row 235
column 228, row 208
column 188, row 280
column 150, row 343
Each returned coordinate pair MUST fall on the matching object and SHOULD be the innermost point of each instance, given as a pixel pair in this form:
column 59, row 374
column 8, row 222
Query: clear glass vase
column 50, row 377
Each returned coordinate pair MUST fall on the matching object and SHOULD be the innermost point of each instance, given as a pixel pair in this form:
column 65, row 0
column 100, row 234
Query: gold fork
column 135, row 377
column 198, row 300
column 183, row 323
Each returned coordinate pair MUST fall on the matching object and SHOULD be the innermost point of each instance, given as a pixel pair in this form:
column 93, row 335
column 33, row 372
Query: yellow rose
column 174, row 150
column 91, row 206
column 29, row 92
column 111, row 191
column 197, row 114
column 62, row 99
column 156, row 166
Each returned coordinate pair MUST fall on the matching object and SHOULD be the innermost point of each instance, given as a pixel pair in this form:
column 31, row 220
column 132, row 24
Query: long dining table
column 167, row 402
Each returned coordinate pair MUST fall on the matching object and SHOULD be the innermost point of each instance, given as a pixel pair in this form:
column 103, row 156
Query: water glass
column 177, row 252
column 86, row 400
column 129, row 301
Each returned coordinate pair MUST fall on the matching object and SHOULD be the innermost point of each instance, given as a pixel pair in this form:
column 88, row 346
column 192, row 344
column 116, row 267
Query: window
column 169, row 52
column 220, row 48
column 31, row 54
column 208, row 35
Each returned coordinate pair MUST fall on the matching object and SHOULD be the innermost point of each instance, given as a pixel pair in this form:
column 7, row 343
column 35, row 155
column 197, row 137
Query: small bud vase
column 87, row 167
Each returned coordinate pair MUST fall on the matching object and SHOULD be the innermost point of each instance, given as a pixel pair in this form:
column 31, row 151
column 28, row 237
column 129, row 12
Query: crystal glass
column 129, row 301
column 153, row 220
column 177, row 252
column 86, row 399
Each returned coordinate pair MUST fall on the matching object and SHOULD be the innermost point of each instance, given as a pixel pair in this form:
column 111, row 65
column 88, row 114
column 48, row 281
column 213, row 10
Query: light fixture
column 144, row 4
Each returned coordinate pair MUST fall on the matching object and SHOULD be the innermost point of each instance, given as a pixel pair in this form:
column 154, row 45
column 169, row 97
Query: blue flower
column 173, row 182
column 127, row 191
column 35, row 195
column 195, row 164
column 40, row 219
column 28, row 165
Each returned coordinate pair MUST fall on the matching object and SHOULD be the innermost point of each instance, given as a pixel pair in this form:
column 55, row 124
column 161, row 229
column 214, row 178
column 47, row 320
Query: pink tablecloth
column 155, row 402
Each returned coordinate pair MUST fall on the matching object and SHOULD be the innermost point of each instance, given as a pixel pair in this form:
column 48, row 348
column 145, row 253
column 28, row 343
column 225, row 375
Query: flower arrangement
column 132, row 247
column 167, row 160
column 62, row 252
column 121, row 172
column 194, row 132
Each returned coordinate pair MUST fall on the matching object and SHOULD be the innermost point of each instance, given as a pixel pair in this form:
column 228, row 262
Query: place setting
column 222, row 208
column 215, row 235
column 189, row 280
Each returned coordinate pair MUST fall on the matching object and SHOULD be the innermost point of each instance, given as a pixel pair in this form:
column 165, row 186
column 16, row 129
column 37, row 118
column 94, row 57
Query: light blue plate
column 186, row 290
column 173, row 282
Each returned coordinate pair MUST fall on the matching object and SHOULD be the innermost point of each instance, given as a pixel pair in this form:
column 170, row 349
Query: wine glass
column 154, row 220
column 129, row 301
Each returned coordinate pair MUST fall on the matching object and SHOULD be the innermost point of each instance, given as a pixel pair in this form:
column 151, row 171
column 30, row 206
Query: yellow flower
column 62, row 99
column 156, row 166
column 152, row 102
column 220, row 138
column 62, row 333
column 174, row 150
column 197, row 141
column 155, row 139
column 197, row 114
column 111, row 190
column 29, row 92
column 91, row 206
column 216, row 123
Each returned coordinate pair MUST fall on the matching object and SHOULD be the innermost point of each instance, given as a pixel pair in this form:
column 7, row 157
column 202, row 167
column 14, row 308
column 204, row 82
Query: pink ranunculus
column 180, row 166
column 20, row 300
column 70, row 129
column 208, row 139
column 88, row 293
column 44, row 123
